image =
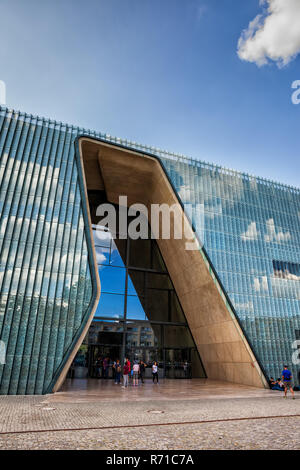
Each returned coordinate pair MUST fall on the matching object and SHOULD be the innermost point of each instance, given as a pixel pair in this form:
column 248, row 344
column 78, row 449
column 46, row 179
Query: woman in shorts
column 136, row 370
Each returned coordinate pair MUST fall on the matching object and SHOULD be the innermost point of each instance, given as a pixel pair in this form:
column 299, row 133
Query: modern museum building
column 73, row 291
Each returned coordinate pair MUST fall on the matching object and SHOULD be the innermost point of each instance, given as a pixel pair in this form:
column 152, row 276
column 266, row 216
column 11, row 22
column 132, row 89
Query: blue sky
column 160, row 72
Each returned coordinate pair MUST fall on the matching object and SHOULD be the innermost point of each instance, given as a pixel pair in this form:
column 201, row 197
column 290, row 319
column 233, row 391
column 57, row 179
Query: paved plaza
column 197, row 414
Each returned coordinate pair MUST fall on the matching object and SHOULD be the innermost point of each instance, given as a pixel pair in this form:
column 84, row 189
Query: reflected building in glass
column 231, row 311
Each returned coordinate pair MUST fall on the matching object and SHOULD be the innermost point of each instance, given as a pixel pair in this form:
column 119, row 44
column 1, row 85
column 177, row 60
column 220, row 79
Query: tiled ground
column 81, row 390
column 165, row 404
column 278, row 434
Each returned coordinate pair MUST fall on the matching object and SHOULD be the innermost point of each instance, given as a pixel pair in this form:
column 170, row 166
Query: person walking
column 130, row 371
column 287, row 381
column 136, row 369
column 126, row 371
column 117, row 369
column 155, row 372
column 98, row 368
column 142, row 370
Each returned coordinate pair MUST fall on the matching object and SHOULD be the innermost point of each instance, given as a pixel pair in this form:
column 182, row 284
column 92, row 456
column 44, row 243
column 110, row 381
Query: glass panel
column 177, row 315
column 178, row 363
column 113, row 336
column 136, row 282
column 140, row 253
column 177, row 337
column 101, row 237
column 158, row 305
column 143, row 334
column 102, row 254
column 110, row 305
column 118, row 252
column 135, row 309
column 148, row 356
column 158, row 281
column 104, row 326
column 157, row 261
column 112, row 279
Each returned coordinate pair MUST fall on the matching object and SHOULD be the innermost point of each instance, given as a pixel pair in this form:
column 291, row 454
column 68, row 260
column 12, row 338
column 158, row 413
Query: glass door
column 148, row 356
column 178, row 363
column 97, row 354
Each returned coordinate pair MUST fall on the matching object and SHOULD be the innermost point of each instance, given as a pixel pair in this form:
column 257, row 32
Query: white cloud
column 212, row 211
column 273, row 35
column 2, row 352
column 101, row 258
column 101, row 235
column 264, row 283
column 291, row 277
column 185, row 193
column 273, row 235
column 260, row 284
column 285, row 288
column 251, row 233
column 256, row 284
column 248, row 306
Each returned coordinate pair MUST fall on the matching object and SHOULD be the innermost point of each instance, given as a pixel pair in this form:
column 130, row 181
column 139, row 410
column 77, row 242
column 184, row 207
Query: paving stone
column 52, row 413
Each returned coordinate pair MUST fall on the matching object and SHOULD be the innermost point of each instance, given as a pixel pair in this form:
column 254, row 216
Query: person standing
column 129, row 365
column 117, row 370
column 98, row 368
column 105, row 367
column 126, row 371
column 142, row 370
column 287, row 381
column 155, row 372
column 186, row 369
column 136, row 369
column 113, row 370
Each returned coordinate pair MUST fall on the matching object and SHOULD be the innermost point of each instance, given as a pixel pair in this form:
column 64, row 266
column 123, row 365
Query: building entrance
column 139, row 315
column 173, row 363
column 95, row 357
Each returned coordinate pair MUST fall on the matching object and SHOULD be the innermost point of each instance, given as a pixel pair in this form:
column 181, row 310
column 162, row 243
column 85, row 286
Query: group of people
column 102, row 364
column 136, row 371
column 131, row 373
column 284, row 383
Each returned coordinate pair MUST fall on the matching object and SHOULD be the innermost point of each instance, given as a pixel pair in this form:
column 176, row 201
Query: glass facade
column 46, row 283
column 139, row 315
column 250, row 231
column 249, row 223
